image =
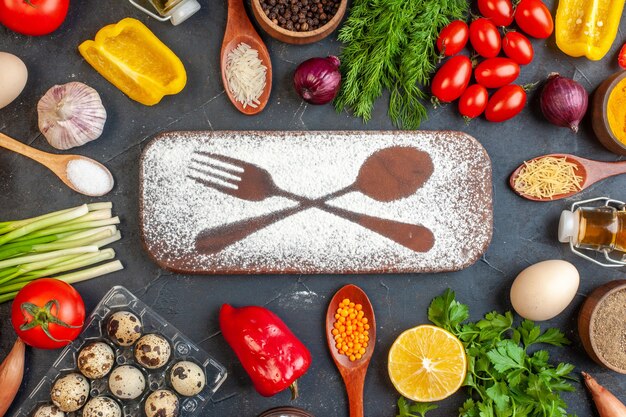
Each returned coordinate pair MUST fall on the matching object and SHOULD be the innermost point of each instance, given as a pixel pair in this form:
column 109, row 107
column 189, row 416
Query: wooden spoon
column 353, row 373
column 55, row 163
column 591, row 171
column 239, row 29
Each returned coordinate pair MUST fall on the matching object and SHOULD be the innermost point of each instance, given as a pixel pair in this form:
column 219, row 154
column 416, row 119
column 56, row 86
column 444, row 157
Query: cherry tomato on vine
column 517, row 47
column 452, row 78
column 33, row 17
column 453, row 38
column 48, row 313
column 485, row 38
column 496, row 72
column 500, row 12
column 505, row 103
column 534, row 18
column 473, row 101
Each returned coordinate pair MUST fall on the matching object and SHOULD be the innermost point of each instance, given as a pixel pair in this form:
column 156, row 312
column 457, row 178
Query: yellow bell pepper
column 133, row 59
column 587, row 27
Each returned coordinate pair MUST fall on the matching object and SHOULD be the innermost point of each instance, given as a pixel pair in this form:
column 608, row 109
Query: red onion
column 564, row 101
column 317, row 80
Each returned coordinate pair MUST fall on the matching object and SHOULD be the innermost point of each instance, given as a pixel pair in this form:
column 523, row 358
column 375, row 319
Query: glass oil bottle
column 601, row 229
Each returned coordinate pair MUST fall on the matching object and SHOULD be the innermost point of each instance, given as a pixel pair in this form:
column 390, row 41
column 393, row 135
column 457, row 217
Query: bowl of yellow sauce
column 609, row 113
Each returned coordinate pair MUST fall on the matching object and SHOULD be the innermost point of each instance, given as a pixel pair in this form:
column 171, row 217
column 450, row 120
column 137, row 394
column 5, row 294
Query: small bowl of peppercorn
column 299, row 21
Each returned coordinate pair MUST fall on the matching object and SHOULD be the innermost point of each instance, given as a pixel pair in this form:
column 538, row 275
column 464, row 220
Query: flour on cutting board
column 455, row 203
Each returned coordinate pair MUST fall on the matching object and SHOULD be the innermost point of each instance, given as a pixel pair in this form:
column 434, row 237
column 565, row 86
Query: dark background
column 524, row 232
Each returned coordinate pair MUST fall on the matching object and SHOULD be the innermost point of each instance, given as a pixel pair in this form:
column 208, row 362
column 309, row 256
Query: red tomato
column 500, row 12
column 452, row 78
column 505, row 103
column 517, row 47
column 621, row 58
column 453, row 38
column 534, row 18
column 496, row 72
column 33, row 17
column 48, row 314
column 485, row 38
column 473, row 101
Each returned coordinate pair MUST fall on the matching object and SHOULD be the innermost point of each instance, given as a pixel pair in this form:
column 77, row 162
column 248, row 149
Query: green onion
column 63, row 241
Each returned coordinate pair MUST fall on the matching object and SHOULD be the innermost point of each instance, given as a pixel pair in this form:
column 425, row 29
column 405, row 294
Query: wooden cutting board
column 315, row 202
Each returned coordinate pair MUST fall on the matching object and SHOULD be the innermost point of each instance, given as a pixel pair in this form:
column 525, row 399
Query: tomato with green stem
column 500, row 12
column 505, row 103
column 534, row 18
column 485, row 38
column 48, row 314
column 473, row 102
column 518, row 47
column 452, row 79
column 453, row 38
column 33, row 17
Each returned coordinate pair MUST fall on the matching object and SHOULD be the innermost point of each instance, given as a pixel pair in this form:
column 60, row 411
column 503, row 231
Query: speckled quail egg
column 48, row 410
column 152, row 351
column 127, row 382
column 70, row 392
column 96, row 360
column 187, row 378
column 102, row 407
column 124, row 328
column 162, row 403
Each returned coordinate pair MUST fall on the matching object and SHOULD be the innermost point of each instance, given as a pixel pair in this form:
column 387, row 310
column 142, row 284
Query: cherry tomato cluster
column 452, row 80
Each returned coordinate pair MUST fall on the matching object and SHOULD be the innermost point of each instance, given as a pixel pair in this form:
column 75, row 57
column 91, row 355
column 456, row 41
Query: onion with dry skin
column 607, row 404
column 11, row 374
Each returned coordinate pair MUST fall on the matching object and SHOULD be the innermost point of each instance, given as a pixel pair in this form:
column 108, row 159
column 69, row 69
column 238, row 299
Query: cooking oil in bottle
column 595, row 228
column 176, row 11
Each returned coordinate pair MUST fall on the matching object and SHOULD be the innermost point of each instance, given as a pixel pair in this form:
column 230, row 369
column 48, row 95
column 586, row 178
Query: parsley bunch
column 390, row 44
column 505, row 378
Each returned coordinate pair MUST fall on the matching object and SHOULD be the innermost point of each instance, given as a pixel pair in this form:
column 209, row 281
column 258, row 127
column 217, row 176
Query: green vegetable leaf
column 446, row 312
column 506, row 356
column 408, row 409
column 498, row 392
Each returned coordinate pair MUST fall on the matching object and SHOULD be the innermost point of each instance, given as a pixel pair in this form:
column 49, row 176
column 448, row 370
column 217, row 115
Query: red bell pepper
column 269, row 352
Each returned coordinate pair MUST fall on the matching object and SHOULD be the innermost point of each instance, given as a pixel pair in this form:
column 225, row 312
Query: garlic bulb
column 71, row 115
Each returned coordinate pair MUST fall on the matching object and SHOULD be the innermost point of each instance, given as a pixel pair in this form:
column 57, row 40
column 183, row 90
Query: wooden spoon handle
column 413, row 236
column 30, row 152
column 354, row 387
column 597, row 170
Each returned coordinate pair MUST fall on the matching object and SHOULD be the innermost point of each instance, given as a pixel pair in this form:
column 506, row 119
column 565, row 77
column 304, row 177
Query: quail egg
column 96, row 360
column 162, row 403
column 187, row 378
column 127, row 382
column 48, row 410
column 152, row 351
column 70, row 392
column 124, row 328
column 102, row 407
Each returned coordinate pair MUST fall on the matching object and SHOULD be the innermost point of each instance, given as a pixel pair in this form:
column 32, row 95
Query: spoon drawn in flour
column 387, row 175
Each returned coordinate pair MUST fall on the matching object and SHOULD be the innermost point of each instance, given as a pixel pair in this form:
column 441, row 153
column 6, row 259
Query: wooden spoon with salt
column 239, row 30
column 59, row 165
column 591, row 172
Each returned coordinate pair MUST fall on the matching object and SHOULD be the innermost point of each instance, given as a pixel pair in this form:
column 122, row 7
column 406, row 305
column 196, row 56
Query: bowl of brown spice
column 602, row 325
column 299, row 21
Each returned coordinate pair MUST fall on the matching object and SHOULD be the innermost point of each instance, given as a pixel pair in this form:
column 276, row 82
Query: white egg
column 543, row 290
column 13, row 76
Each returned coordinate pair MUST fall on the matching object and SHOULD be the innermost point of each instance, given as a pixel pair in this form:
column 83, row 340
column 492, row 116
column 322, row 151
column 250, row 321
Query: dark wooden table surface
column 524, row 232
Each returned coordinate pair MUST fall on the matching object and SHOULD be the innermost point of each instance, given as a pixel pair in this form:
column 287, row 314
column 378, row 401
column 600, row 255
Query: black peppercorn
column 300, row 15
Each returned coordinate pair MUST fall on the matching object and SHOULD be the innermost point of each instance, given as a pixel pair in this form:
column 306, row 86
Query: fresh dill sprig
column 390, row 44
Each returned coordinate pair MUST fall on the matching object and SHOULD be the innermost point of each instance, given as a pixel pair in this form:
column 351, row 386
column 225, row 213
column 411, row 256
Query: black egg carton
column 182, row 349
